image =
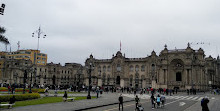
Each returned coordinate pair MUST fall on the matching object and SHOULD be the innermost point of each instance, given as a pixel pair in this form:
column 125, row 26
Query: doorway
column 118, row 80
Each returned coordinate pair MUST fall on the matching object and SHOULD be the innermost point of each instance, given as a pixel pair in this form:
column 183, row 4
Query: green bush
column 19, row 97
column 27, row 90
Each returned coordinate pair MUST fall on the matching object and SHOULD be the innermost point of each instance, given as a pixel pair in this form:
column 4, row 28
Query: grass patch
column 72, row 92
column 44, row 100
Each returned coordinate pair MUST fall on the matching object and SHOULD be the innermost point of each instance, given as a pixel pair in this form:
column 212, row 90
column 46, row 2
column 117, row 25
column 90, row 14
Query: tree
column 2, row 37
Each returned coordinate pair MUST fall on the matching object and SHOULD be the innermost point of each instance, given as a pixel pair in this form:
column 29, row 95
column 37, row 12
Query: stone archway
column 176, row 73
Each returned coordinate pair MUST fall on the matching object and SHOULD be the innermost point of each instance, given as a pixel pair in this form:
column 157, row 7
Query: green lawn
column 71, row 92
column 43, row 100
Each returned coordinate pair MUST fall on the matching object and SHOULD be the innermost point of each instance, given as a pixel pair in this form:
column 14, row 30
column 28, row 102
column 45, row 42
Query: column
column 99, row 82
column 144, row 84
column 122, row 83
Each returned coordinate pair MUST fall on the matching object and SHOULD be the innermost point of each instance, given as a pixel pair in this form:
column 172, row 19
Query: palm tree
column 2, row 37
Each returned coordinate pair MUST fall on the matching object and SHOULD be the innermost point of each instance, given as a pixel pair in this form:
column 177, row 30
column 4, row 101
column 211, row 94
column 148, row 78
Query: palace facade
column 178, row 68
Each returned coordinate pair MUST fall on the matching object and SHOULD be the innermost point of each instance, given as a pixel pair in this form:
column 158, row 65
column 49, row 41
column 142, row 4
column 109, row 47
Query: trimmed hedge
column 21, row 90
column 19, row 97
column 3, row 89
column 27, row 90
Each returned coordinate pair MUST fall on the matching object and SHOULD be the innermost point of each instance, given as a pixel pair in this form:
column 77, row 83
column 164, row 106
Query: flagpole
column 120, row 46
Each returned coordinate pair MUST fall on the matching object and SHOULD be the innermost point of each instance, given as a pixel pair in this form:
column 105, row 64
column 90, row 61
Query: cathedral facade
column 179, row 68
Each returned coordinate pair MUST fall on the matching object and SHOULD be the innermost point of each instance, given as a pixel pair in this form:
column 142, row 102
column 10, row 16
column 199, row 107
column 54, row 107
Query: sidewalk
column 105, row 99
column 213, row 104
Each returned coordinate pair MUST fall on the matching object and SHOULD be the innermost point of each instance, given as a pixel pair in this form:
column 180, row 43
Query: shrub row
column 21, row 90
column 19, row 97
column 3, row 89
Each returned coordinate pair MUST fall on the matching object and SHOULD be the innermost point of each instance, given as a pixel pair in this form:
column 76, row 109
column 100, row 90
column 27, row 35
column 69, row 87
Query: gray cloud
column 77, row 28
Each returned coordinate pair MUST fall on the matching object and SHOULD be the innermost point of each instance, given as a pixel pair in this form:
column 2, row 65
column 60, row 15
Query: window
column 142, row 68
column 104, row 68
column 22, row 52
column 136, row 68
column 38, row 61
column 118, row 67
column 26, row 52
column 178, row 76
column 43, row 54
column 153, row 67
column 109, row 69
column 99, row 68
column 131, row 68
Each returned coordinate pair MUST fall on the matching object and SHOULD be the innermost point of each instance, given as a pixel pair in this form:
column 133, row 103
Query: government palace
column 179, row 68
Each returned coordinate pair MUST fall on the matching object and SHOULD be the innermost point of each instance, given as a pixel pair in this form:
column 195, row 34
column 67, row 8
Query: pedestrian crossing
column 194, row 98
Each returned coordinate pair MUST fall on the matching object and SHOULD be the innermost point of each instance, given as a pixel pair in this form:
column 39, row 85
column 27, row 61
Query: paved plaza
column 109, row 102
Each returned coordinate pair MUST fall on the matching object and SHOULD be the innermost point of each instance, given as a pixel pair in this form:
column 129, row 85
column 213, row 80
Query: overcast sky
column 77, row 28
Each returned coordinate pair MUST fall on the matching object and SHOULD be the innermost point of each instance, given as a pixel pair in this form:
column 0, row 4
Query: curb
column 101, row 106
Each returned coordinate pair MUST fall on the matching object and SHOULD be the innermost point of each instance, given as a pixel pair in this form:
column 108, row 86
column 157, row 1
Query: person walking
column 120, row 99
column 137, row 101
column 12, row 101
column 204, row 104
column 158, row 101
column 97, row 92
column 65, row 96
column 163, row 100
column 152, row 101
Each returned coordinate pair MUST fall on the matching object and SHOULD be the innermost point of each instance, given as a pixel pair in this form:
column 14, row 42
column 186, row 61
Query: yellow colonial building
column 34, row 55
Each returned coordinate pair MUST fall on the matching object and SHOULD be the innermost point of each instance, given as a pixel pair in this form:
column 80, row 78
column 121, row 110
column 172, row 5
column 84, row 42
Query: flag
column 120, row 46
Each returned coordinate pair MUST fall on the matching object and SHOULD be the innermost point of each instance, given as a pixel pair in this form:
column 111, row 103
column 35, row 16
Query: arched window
column 136, row 68
column 131, row 68
column 104, row 68
column 153, row 67
column 109, row 69
column 99, row 68
column 118, row 67
column 142, row 68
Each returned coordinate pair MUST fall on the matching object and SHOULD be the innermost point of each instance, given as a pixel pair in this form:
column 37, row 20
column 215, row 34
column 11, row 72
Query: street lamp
column 39, row 32
column 25, row 77
column 89, row 68
column 35, row 76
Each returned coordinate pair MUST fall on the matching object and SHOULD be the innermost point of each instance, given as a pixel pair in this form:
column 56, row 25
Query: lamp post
column 90, row 68
column 30, row 84
column 35, row 77
column 25, row 77
column 39, row 32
